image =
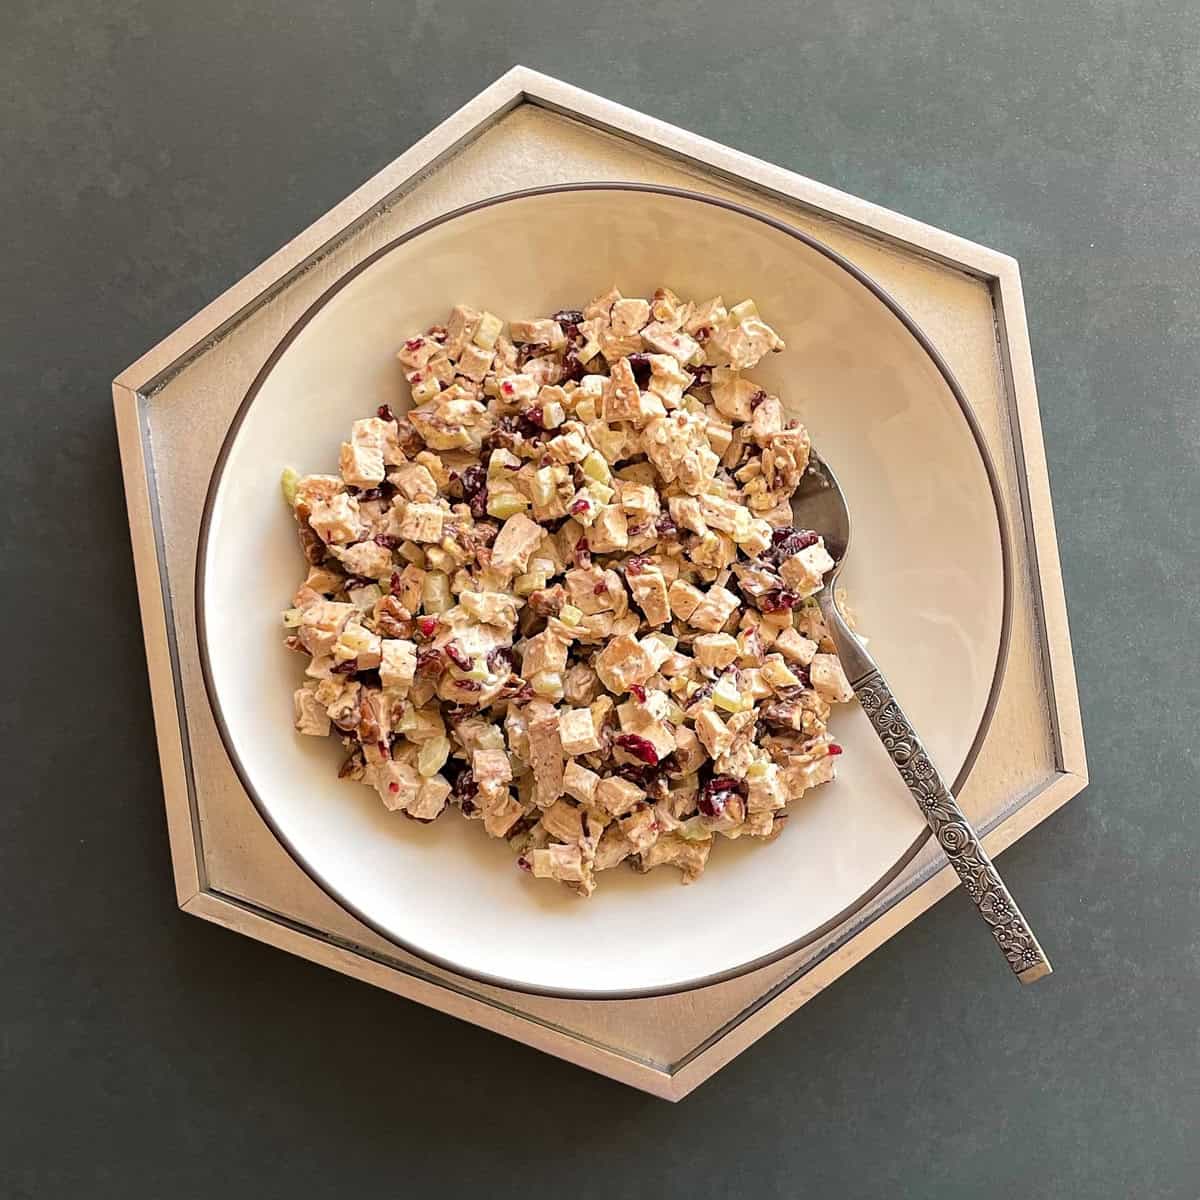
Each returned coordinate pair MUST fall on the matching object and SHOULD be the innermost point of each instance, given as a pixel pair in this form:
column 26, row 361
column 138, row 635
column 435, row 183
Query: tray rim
column 134, row 386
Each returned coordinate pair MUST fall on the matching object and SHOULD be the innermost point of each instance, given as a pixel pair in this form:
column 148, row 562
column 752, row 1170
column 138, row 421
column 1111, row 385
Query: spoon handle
column 954, row 832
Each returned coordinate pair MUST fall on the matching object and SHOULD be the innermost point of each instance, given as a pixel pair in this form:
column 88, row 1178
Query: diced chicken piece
column 361, row 464
column 795, row 647
column 649, row 589
column 514, row 544
column 415, row 482
column 733, row 396
column 431, row 800
column 461, row 328
column 397, row 782
column 336, row 520
column 622, row 663
column 474, row 362
column 640, row 828
column 722, row 514
column 804, row 573
column 767, row 792
column 492, row 770
column 359, row 644
column 668, row 380
column 564, row 863
column 669, row 441
column 545, row 652
column 767, row 421
column 501, row 812
column 321, row 624
column 624, row 401
column 591, row 590
column 685, row 512
column 562, row 820
column 518, row 389
column 675, row 342
column 613, row 848
column 537, row 333
column 581, row 783
column 311, row 717
column 629, row 315
column 829, row 679
column 368, row 560
column 418, row 522
column 689, row 855
column 609, row 531
column 546, row 759
column 684, row 598
column 397, row 663
column 490, row 608
column 713, row 733
column 715, row 649
column 617, row 796
column 639, row 499
column 802, row 776
column 714, row 610
column 314, row 489
column 744, row 343
column 568, row 447
column 577, row 733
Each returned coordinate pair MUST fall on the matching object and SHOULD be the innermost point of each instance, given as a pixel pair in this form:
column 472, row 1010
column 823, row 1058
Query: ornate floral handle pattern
column 952, row 829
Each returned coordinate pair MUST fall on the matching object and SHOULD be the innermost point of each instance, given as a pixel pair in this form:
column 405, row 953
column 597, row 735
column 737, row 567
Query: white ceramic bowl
column 927, row 576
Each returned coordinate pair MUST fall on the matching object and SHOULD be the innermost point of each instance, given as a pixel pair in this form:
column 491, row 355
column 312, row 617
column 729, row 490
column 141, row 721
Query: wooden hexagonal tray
column 173, row 407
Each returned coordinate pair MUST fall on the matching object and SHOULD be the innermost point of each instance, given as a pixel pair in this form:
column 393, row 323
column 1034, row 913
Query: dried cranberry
column 600, row 588
column 458, row 656
column 427, row 627
column 716, row 793
column 474, row 489
column 568, row 316
column 572, row 367
column 413, row 343
column 834, row 748
column 389, row 541
column 524, row 863
column 430, row 661
column 375, row 493
column 665, row 527
column 346, row 668
column 384, row 413
column 468, row 807
column 580, row 506
column 701, row 694
column 582, row 553
column 702, row 374
column 779, row 601
column 757, row 399
column 638, row 692
column 468, row 685
column 637, row 564
column 640, row 747
column 639, row 364
column 500, row 661
column 437, row 332
column 393, row 787
column 786, row 541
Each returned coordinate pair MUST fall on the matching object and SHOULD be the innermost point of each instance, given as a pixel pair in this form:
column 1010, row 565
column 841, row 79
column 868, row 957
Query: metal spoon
column 820, row 504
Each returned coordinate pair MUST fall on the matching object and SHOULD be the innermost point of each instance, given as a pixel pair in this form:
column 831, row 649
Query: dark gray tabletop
column 150, row 154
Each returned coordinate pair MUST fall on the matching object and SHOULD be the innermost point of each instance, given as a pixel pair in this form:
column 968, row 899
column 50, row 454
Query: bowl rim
column 285, row 343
